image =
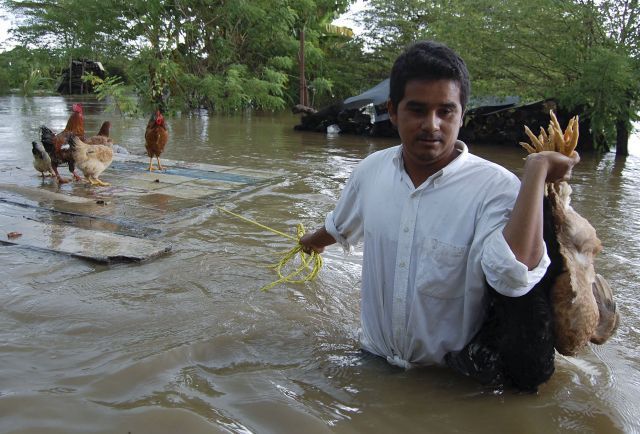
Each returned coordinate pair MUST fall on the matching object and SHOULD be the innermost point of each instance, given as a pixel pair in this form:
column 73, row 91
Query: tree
column 223, row 55
column 583, row 54
column 622, row 26
column 313, row 18
column 74, row 26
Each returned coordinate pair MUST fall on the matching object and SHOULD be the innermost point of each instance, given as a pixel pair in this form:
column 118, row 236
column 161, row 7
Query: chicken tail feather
column 47, row 137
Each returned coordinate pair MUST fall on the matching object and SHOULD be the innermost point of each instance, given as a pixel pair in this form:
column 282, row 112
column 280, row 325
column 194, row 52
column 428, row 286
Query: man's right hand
column 316, row 241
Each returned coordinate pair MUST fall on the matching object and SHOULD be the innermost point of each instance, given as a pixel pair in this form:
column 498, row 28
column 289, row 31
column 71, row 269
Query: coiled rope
column 309, row 263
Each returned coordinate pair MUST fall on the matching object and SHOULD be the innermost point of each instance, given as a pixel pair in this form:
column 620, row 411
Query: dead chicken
column 571, row 304
column 91, row 159
column 582, row 300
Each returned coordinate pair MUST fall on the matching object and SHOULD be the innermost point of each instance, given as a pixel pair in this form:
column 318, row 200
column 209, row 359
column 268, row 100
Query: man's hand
column 557, row 166
column 316, row 241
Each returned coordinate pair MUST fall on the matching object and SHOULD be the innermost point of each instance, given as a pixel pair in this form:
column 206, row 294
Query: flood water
column 188, row 343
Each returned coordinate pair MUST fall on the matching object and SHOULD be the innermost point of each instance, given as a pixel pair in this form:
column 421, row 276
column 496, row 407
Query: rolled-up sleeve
column 504, row 272
column 345, row 223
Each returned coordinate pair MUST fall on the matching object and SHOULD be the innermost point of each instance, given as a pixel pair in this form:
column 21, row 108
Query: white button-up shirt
column 428, row 251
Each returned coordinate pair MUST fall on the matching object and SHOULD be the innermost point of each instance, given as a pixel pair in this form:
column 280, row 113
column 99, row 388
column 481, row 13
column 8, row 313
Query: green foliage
column 581, row 52
column 192, row 53
column 5, row 81
column 282, row 63
column 35, row 82
column 79, row 28
column 607, row 80
column 114, row 91
column 27, row 71
column 236, row 89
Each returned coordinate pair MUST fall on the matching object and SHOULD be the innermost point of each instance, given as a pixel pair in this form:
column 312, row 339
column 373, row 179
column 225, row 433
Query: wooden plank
column 111, row 224
column 43, row 194
column 190, row 173
column 89, row 244
column 34, row 212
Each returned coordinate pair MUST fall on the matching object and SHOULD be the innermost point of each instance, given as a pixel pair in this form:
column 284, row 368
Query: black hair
column 428, row 60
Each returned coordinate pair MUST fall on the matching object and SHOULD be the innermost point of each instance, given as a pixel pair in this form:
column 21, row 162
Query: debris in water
column 13, row 235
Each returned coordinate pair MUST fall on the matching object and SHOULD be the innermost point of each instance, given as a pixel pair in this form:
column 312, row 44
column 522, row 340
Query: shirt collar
column 397, row 157
column 450, row 168
column 458, row 162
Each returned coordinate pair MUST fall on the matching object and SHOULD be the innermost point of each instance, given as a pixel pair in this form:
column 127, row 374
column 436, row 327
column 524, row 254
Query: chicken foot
column 96, row 181
column 59, row 178
column 151, row 169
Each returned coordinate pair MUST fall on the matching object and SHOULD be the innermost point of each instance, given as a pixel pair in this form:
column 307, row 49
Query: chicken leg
column 151, row 169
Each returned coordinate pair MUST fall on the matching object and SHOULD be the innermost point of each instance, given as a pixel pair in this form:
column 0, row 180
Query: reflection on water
column 187, row 343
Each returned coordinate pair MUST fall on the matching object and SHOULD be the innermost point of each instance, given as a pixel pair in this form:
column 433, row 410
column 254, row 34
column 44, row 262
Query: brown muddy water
column 187, row 343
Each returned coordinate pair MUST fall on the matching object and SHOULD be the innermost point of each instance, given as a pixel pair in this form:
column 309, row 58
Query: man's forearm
column 523, row 231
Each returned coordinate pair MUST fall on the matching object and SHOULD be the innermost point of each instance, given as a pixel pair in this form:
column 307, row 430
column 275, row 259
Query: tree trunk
column 622, row 138
column 304, row 99
column 70, row 74
column 81, row 75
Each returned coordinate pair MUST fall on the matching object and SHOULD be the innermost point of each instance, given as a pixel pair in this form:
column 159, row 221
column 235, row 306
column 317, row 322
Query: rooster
column 91, row 159
column 41, row 160
column 102, row 138
column 53, row 143
column 156, row 137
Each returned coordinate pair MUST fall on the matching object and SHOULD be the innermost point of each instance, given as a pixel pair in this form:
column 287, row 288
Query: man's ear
column 393, row 113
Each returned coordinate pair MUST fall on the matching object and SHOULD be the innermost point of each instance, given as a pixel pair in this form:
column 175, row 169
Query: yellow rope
column 308, row 262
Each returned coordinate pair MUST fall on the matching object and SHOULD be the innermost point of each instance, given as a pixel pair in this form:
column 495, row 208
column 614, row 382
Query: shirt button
column 402, row 264
column 406, row 229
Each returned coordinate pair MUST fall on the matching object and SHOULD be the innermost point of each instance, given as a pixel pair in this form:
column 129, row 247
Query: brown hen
column 156, row 137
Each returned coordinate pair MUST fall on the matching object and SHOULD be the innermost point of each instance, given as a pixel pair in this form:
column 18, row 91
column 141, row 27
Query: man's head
column 429, row 89
column 428, row 60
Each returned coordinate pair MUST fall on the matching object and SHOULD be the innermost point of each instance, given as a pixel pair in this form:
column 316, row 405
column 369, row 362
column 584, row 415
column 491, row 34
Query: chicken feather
column 91, row 159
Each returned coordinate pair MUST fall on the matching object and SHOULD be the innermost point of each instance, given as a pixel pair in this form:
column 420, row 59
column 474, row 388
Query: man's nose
column 430, row 122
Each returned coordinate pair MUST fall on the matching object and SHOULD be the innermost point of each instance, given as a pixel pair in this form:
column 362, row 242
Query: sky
column 6, row 20
column 346, row 20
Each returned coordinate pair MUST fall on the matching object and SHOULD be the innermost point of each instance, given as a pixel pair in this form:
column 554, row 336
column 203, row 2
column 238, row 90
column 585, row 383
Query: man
column 438, row 223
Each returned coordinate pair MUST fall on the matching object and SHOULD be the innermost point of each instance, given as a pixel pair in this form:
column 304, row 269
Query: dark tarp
column 380, row 93
column 376, row 95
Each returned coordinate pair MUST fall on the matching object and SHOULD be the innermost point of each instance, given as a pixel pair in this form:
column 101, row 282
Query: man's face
column 428, row 119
